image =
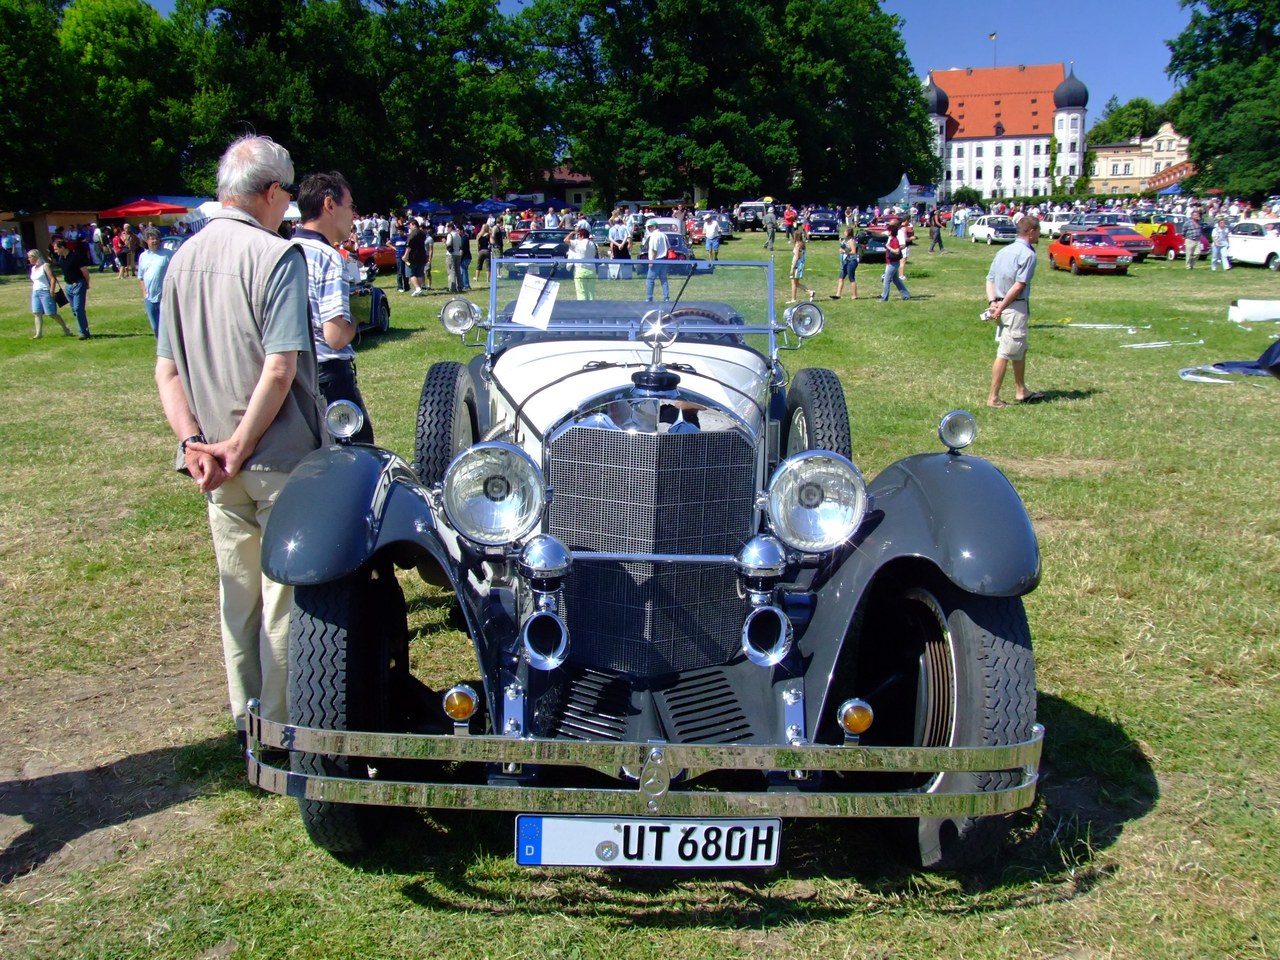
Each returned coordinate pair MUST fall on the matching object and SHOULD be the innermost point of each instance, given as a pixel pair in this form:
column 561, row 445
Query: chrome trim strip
column 614, row 755
column 636, row 802
column 723, row 559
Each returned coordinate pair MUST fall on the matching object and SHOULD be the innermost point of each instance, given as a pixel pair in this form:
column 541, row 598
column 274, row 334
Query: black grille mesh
column 652, row 493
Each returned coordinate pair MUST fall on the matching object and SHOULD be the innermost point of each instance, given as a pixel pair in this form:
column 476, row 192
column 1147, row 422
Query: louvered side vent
column 595, row 707
column 703, row 709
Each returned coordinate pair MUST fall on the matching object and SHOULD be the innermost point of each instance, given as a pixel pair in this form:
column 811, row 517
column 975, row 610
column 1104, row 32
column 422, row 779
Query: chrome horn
column 545, row 640
column 766, row 636
column 767, row 633
column 544, row 562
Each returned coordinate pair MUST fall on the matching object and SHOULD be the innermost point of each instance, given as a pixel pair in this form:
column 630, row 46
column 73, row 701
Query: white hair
column 249, row 166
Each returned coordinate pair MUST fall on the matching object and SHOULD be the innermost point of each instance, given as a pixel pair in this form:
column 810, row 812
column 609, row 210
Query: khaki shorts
column 1012, row 341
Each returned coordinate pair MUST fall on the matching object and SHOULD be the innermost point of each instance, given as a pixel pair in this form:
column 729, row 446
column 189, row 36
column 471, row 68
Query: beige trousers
column 255, row 609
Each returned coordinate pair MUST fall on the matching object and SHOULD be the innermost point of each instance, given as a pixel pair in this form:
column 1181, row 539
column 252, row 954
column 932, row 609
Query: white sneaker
column 419, row 293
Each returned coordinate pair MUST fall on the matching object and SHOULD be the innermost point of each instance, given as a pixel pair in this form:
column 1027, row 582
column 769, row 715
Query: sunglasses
column 290, row 188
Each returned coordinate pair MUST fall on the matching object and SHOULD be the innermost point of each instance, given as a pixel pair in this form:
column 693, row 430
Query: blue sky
column 1117, row 45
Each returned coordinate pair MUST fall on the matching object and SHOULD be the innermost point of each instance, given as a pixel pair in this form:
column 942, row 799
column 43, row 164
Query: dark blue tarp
column 428, row 206
column 1268, row 363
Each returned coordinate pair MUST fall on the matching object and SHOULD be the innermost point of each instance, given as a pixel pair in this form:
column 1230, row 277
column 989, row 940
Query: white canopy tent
column 198, row 217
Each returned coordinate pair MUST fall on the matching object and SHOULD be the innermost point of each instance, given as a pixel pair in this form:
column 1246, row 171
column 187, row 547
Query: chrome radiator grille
column 664, row 493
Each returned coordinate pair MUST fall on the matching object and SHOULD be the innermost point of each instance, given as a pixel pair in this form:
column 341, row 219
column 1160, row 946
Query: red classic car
column 1138, row 245
column 1169, row 242
column 380, row 257
column 879, row 227
column 1091, row 252
column 519, row 230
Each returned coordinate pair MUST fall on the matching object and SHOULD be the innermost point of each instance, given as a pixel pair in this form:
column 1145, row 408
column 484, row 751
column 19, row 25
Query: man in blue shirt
column 1008, row 304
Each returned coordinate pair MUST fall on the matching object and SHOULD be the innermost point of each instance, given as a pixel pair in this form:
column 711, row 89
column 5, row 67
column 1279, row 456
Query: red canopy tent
column 141, row 208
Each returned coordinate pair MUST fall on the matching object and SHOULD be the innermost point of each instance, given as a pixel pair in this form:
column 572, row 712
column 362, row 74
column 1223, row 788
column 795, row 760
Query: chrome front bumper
column 657, row 765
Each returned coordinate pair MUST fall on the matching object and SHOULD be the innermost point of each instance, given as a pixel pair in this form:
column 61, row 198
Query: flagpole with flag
column 992, row 38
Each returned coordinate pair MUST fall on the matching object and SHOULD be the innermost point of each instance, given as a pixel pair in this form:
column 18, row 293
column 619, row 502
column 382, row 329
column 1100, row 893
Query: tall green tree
column 30, row 123
column 119, row 60
column 1228, row 59
column 465, row 113
column 1138, row 117
column 733, row 97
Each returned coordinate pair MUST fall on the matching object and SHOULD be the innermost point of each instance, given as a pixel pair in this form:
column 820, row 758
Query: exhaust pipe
column 545, row 640
column 766, row 636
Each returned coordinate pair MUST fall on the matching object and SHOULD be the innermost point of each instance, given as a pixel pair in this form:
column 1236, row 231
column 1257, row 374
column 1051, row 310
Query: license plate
column 613, row 842
column 1106, row 266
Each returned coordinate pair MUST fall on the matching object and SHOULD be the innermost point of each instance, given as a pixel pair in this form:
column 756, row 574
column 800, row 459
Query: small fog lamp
column 458, row 315
column 957, row 430
column 460, row 702
column 343, row 419
column 855, row 717
column 805, row 320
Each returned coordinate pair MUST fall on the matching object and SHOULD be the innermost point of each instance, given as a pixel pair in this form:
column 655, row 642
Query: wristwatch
column 194, row 438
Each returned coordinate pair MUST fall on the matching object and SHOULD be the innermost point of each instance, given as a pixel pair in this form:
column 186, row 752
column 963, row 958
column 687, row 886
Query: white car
column 993, row 228
column 1051, row 224
column 682, row 603
column 1255, row 241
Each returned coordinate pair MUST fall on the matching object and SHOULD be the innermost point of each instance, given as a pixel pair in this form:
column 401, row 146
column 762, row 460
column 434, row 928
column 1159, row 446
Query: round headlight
column 816, row 500
column 343, row 419
column 805, row 320
column 957, row 430
column 458, row 315
column 493, row 493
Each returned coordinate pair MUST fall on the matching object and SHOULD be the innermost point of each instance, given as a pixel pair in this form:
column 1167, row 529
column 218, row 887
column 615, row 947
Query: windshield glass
column 559, row 298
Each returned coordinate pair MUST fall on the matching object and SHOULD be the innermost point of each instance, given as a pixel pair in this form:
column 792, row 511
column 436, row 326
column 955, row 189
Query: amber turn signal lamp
column 460, row 702
column 855, row 717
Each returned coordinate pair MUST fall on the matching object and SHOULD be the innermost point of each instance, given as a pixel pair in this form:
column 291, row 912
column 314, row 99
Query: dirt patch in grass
column 1059, row 467
column 92, row 767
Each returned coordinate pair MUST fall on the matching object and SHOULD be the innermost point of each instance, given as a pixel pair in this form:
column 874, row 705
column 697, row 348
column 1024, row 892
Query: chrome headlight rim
column 522, row 475
column 459, row 315
column 343, row 419
column 957, row 429
column 805, row 320
column 839, row 470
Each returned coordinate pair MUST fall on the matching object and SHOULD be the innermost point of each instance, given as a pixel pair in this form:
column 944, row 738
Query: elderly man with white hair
column 236, row 371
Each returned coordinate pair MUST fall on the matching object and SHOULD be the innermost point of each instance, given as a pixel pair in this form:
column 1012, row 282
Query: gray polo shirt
column 1016, row 262
column 235, row 293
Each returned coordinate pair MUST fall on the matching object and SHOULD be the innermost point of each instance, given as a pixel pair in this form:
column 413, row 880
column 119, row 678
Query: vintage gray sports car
column 691, row 616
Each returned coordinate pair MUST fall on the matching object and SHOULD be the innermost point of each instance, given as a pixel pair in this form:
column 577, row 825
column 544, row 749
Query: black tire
column 384, row 315
column 989, row 240
column 446, row 420
column 1075, row 269
column 371, row 265
column 817, row 416
column 1171, row 255
column 1053, row 264
column 1273, row 262
column 945, row 668
column 348, row 658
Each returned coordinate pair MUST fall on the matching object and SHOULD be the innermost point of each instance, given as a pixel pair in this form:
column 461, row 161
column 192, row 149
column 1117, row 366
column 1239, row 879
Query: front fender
column 958, row 513
column 962, row 513
column 340, row 506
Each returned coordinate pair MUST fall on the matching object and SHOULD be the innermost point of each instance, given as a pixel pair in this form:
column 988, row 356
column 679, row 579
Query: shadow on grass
column 1094, row 780
column 61, row 808
column 1055, row 396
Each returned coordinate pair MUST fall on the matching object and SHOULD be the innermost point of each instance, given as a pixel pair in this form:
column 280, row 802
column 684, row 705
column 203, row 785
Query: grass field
column 126, row 828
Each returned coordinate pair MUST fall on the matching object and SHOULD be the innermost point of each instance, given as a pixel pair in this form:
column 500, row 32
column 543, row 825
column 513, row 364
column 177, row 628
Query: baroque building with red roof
column 993, row 128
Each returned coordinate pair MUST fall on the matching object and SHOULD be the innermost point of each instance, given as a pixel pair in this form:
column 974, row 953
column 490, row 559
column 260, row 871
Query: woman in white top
column 582, row 247
column 43, row 286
